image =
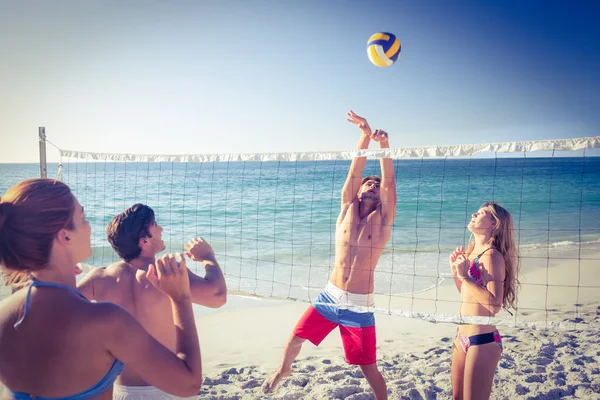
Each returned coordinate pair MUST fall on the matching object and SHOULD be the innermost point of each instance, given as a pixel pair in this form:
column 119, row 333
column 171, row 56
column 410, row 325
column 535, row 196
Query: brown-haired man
column 137, row 238
column 363, row 228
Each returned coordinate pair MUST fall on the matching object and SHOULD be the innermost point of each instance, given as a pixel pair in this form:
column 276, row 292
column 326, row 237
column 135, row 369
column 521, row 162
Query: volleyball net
column 271, row 219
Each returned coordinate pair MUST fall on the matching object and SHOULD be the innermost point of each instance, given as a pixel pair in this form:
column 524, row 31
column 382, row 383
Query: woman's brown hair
column 32, row 212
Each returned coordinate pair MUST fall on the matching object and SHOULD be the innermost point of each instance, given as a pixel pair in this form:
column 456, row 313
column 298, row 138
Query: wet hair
column 32, row 212
column 126, row 229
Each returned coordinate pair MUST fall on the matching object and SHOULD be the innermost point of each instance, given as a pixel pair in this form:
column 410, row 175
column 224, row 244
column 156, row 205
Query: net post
column 42, row 141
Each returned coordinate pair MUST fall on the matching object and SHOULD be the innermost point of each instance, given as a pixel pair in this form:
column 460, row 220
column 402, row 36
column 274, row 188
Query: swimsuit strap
column 105, row 383
column 36, row 283
column 99, row 388
column 20, row 321
column 483, row 252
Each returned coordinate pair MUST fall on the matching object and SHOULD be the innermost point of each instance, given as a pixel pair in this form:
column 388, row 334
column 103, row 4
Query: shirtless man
column 136, row 237
column 363, row 228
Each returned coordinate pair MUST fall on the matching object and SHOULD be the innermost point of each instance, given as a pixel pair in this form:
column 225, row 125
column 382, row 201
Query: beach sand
column 242, row 344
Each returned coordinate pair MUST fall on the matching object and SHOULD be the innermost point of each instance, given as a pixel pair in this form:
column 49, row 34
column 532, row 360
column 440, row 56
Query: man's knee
column 295, row 341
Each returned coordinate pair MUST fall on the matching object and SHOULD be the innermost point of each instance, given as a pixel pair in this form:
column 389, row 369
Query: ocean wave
column 560, row 244
column 427, row 288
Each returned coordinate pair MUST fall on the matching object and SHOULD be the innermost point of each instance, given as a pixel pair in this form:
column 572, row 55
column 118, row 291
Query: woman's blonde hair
column 503, row 240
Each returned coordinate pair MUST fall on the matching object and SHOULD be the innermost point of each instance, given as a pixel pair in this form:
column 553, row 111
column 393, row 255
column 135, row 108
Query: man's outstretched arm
column 388, row 181
column 210, row 291
column 354, row 178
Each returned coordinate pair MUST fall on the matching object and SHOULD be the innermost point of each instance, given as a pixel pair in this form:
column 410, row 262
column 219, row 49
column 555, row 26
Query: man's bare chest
column 359, row 232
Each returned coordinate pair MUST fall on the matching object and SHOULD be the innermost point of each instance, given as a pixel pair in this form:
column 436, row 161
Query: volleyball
column 383, row 49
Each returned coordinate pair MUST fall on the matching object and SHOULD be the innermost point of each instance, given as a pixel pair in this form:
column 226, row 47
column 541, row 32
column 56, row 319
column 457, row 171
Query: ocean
column 272, row 224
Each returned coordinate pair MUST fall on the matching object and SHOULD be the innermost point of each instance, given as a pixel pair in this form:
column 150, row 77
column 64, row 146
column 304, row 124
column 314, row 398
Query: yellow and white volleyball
column 383, row 49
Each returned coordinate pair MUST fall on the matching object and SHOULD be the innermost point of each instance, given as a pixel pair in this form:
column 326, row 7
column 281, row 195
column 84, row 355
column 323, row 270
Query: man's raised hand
column 362, row 123
column 199, row 250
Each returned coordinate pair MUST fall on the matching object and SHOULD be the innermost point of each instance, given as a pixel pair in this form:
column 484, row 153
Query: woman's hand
column 460, row 266
column 170, row 277
column 458, row 251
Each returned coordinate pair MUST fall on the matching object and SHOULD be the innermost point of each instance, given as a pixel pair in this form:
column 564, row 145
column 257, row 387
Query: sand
column 242, row 343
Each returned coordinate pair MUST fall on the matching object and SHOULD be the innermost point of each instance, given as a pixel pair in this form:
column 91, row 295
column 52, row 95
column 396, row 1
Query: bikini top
column 474, row 271
column 100, row 387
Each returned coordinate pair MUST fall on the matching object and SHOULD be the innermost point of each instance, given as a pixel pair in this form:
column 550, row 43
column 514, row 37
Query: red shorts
column 359, row 342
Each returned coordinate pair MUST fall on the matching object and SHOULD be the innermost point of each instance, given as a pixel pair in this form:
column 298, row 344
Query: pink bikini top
column 474, row 271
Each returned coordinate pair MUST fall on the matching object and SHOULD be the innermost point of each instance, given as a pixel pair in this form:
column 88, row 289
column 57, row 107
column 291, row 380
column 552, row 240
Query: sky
column 178, row 77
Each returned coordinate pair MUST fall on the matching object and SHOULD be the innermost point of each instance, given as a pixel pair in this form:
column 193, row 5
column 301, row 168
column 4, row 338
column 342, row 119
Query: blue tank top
column 95, row 390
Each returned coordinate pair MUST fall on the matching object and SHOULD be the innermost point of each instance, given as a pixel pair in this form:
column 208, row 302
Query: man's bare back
column 122, row 284
column 125, row 283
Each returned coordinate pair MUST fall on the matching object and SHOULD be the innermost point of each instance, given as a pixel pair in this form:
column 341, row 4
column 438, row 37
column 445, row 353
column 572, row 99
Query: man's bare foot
column 274, row 380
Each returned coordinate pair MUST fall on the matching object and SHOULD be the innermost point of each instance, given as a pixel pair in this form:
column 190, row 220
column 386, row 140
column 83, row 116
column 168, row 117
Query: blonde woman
column 486, row 277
